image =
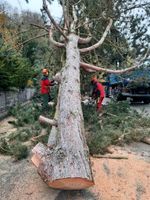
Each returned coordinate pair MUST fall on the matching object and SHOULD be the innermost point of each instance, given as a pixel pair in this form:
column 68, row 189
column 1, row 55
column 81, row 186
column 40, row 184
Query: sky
column 34, row 5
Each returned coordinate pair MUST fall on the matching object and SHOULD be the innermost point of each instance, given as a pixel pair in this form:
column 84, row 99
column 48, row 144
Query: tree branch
column 66, row 20
column 38, row 26
column 100, row 41
column 52, row 19
column 26, row 41
column 57, row 44
column 84, row 40
column 38, row 36
column 87, row 69
column 48, row 121
column 93, row 67
column 137, row 6
column 75, row 19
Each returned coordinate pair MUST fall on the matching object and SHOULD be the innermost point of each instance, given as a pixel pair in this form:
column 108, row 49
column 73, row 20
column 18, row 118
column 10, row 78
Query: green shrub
column 15, row 149
column 118, row 124
column 19, row 151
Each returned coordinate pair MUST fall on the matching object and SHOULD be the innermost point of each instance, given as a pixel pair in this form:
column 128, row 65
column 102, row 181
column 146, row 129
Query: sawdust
column 126, row 179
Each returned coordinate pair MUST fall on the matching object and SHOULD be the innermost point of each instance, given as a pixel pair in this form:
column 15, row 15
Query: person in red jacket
column 98, row 92
column 45, row 88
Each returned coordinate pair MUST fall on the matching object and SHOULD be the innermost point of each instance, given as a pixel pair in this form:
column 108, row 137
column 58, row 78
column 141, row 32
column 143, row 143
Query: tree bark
column 47, row 121
column 65, row 164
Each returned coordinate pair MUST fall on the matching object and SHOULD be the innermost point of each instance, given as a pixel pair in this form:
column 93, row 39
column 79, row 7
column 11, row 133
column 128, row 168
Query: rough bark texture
column 65, row 163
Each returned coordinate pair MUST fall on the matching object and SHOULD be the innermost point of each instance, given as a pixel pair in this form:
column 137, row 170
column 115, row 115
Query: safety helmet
column 45, row 71
column 94, row 79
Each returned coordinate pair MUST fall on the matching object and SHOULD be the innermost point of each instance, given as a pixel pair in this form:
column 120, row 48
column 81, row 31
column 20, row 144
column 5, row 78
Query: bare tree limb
column 57, row 44
column 38, row 36
column 48, row 121
column 66, row 19
column 135, row 65
column 87, row 69
column 38, row 26
column 75, row 19
column 26, row 41
column 52, row 19
column 100, row 41
column 84, row 40
column 93, row 67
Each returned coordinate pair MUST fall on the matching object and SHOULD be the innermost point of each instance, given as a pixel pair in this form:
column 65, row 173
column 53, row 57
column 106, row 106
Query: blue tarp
column 139, row 73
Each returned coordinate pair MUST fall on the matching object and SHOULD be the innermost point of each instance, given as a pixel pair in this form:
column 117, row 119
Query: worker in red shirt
column 98, row 92
column 45, row 88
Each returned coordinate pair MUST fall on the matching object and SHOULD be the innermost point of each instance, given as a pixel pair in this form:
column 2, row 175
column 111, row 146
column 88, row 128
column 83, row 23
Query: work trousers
column 99, row 103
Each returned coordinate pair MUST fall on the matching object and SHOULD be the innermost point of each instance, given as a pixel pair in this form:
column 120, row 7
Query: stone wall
column 11, row 98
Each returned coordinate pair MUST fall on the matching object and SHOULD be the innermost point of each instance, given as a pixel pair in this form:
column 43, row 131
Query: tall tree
column 64, row 163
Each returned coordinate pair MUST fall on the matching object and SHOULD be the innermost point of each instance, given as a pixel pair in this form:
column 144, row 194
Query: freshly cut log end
column 67, row 183
column 71, row 184
column 36, row 160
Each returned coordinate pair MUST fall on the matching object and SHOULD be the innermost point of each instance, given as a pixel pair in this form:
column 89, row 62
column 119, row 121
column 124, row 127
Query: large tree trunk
column 64, row 164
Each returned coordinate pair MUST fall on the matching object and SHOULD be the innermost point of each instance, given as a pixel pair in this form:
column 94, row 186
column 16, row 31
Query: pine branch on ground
column 118, row 124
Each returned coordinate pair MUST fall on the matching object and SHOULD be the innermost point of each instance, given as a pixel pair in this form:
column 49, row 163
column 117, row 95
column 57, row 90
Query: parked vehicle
column 134, row 86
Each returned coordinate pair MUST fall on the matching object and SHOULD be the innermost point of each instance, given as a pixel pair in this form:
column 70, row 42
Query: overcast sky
column 34, row 5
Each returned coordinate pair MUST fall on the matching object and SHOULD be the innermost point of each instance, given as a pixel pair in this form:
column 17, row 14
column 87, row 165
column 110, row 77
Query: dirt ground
column 115, row 179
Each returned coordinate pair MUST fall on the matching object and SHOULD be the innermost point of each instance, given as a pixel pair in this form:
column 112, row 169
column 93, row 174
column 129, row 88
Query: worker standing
column 45, row 88
column 98, row 92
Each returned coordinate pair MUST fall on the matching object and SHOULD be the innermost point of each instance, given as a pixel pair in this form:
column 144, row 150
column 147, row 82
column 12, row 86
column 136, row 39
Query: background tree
column 21, row 55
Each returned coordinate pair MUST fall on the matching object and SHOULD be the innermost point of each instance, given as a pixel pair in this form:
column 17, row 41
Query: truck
column 134, row 86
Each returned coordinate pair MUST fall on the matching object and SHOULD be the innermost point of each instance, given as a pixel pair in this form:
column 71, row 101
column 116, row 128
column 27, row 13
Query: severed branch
column 100, row 41
column 45, row 120
column 57, row 44
column 57, row 77
column 52, row 19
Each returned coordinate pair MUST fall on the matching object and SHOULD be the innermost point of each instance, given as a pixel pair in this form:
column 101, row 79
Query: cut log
column 146, row 140
column 64, row 163
column 42, row 156
column 45, row 120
